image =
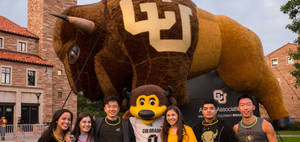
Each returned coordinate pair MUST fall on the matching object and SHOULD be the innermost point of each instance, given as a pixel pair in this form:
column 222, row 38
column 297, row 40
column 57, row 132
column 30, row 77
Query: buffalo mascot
column 130, row 43
column 147, row 105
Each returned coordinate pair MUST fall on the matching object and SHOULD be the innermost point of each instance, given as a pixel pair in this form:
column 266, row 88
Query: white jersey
column 147, row 133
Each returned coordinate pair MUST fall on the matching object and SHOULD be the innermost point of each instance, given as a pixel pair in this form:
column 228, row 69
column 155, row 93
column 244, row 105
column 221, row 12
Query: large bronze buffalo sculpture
column 161, row 42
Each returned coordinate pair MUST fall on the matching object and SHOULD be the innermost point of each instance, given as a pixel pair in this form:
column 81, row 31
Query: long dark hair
column 180, row 125
column 76, row 130
column 53, row 124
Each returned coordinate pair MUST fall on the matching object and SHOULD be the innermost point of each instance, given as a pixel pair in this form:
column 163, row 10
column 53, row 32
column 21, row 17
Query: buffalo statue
column 129, row 43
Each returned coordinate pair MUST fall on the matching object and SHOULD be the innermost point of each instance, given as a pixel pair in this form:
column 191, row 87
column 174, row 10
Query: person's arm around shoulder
column 98, row 122
column 190, row 133
column 269, row 131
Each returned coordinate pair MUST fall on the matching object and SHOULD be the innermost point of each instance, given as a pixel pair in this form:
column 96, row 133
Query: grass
column 289, row 132
column 289, row 139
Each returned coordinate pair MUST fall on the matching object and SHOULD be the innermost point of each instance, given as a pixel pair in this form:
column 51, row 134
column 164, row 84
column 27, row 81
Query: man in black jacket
column 112, row 128
column 211, row 129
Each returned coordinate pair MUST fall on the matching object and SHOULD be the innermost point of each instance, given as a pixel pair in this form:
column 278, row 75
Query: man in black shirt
column 112, row 128
column 212, row 129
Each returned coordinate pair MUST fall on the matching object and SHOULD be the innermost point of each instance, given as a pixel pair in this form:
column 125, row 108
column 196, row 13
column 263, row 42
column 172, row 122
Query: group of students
column 112, row 128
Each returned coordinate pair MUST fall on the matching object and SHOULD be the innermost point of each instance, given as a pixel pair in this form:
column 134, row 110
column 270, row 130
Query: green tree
column 94, row 108
column 292, row 8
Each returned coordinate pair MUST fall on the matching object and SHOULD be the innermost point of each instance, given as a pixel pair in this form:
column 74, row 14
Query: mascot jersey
column 147, row 133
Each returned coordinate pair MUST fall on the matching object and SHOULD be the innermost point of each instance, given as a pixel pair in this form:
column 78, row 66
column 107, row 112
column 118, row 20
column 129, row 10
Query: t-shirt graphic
column 209, row 136
column 147, row 133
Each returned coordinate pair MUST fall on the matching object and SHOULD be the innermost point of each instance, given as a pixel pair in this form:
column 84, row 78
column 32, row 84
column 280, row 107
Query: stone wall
column 10, row 42
column 41, row 23
column 19, row 92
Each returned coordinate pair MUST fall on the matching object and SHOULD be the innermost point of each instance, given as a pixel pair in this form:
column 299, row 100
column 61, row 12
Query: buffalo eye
column 74, row 53
column 142, row 101
column 152, row 101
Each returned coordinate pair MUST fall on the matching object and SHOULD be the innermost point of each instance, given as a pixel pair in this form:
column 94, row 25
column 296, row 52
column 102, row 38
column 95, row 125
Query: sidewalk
column 290, row 136
column 22, row 139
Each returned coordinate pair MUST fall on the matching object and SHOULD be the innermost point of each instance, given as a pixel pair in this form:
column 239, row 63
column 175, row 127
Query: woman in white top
column 84, row 128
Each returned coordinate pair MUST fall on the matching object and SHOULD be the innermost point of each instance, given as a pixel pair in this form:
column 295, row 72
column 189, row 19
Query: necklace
column 250, row 126
column 208, row 124
column 119, row 121
column 57, row 137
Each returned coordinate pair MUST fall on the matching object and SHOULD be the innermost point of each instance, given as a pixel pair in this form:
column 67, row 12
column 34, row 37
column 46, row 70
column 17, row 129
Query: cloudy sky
column 261, row 16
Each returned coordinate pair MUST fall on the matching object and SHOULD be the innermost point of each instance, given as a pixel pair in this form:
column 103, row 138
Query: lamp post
column 38, row 96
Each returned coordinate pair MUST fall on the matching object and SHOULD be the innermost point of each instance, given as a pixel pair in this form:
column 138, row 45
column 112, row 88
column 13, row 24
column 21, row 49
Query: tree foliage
column 94, row 108
column 292, row 8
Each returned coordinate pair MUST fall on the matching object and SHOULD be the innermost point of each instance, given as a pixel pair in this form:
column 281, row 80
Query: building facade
column 281, row 65
column 33, row 82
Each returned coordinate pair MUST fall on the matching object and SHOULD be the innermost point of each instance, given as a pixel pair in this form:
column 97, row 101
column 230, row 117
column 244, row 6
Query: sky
column 261, row 16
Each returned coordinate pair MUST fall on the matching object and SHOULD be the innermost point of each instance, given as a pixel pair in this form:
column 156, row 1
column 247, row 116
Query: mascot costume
column 148, row 104
column 130, row 43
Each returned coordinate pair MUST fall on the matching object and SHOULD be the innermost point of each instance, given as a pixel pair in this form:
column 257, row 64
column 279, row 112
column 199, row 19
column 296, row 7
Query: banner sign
column 211, row 86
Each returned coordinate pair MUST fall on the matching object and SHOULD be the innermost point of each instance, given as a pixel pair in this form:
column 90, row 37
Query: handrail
column 24, row 130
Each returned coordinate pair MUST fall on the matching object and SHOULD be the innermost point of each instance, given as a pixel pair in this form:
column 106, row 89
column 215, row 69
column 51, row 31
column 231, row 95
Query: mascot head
column 149, row 102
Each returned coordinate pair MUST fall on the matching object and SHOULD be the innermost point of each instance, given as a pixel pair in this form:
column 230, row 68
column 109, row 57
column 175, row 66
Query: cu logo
column 220, row 96
column 153, row 25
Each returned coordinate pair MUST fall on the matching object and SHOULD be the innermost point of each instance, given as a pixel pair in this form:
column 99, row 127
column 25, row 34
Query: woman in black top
column 59, row 127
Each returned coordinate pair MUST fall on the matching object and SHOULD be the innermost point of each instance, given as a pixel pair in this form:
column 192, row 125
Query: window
column 59, row 94
column 1, row 42
column 59, row 72
column 289, row 60
column 22, row 46
column 31, row 78
column 274, row 62
column 7, row 110
column 5, row 75
column 29, row 114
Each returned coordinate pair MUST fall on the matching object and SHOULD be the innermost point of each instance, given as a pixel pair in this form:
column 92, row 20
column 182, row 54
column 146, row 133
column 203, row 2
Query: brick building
column 281, row 65
column 33, row 82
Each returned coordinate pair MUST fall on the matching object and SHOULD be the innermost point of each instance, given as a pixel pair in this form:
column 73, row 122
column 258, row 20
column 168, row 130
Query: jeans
column 2, row 131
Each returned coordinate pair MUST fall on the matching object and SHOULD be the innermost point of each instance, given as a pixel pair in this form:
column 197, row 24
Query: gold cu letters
column 154, row 24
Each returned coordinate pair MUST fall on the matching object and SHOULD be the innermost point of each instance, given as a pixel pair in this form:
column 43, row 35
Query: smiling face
column 112, row 109
column 85, row 125
column 64, row 121
column 172, row 117
column 246, row 107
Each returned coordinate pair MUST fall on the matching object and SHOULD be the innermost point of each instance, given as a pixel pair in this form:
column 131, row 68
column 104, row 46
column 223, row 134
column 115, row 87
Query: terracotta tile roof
column 14, row 56
column 8, row 26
